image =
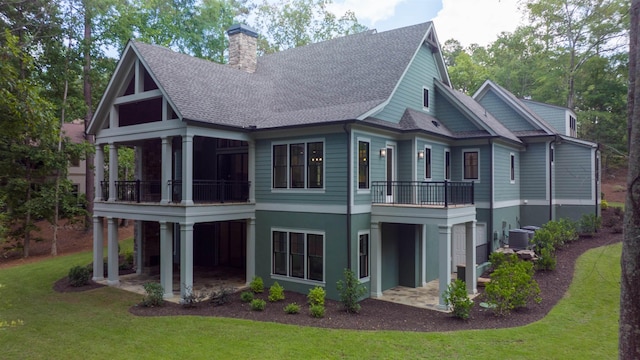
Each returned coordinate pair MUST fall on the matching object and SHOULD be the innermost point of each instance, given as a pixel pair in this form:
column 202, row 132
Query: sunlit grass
column 96, row 324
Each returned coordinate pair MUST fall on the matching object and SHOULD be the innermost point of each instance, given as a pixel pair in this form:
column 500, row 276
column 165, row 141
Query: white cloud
column 366, row 10
column 476, row 21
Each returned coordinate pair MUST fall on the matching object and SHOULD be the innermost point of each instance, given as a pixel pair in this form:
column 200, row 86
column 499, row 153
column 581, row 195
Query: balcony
column 203, row 191
column 423, row 193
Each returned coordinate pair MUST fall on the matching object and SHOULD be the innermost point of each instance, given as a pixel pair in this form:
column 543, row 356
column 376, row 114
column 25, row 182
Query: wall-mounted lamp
column 421, row 154
column 383, row 152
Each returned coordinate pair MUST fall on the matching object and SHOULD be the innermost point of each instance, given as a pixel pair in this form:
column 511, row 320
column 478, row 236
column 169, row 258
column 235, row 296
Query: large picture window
column 363, row 165
column 298, row 255
column 363, row 258
column 470, row 165
column 298, row 165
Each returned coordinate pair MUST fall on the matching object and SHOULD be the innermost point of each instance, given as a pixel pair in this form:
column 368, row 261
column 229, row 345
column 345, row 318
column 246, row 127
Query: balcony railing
column 212, row 191
column 134, row 191
column 423, row 193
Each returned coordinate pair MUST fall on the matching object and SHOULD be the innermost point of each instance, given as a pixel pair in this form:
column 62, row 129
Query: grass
column 97, row 324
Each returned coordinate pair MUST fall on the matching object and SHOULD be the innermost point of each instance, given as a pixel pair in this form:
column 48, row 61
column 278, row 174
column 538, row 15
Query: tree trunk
column 89, row 175
column 629, row 331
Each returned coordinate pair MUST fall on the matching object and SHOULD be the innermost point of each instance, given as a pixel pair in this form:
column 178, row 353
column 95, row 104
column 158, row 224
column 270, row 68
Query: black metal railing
column 212, row 191
column 134, row 191
column 428, row 193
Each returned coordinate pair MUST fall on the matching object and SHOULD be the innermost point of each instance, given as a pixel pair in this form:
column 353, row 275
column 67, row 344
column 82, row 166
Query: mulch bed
column 382, row 315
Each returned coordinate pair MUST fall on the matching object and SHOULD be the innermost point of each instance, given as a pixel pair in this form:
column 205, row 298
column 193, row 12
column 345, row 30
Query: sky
column 468, row 21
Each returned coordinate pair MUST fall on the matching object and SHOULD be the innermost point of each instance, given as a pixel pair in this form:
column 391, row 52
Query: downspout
column 347, row 130
column 597, row 179
column 490, row 191
column 552, row 158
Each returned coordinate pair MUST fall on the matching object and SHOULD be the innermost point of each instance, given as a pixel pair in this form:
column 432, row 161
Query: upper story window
column 470, row 165
column 427, row 163
column 298, row 165
column 447, row 165
column 573, row 126
column 512, row 158
column 363, row 164
column 425, row 97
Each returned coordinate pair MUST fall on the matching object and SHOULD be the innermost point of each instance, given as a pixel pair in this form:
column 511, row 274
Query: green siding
column 482, row 186
column 574, row 212
column 536, row 215
column 335, row 179
column 377, row 164
column 555, row 116
column 390, row 256
column 573, row 176
column 504, row 113
column 408, row 94
column 433, row 236
column 505, row 219
column 505, row 190
column 451, row 117
column 534, row 171
column 406, row 160
column 437, row 161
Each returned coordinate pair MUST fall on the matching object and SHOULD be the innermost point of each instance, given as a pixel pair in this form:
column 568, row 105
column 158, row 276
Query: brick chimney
column 243, row 47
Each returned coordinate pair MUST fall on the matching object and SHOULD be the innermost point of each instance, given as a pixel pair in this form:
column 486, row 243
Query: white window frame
column 368, row 189
column 368, row 233
column 425, row 88
column 464, row 151
column 306, row 187
column 512, row 168
column 288, row 277
column 444, row 174
column 428, row 156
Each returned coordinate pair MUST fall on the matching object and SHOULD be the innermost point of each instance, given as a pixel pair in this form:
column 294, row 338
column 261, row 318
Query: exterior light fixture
column 383, row 152
column 421, row 154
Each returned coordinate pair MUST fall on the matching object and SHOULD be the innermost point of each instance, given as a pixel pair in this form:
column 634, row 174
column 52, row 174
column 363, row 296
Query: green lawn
column 96, row 324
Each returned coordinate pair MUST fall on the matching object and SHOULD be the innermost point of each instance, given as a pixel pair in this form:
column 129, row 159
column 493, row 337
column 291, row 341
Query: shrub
column 257, row 285
column 547, row 259
column 512, row 286
column 258, row 304
column 618, row 211
column 604, row 205
column 79, row 276
column 292, row 308
column 498, row 258
column 153, row 297
column 316, row 296
column 221, row 296
column 192, row 297
column 589, row 224
column 316, row 310
column 351, row 290
column 456, row 297
column 246, row 296
column 276, row 292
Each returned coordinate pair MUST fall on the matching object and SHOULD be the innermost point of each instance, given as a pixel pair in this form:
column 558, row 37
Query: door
column 391, row 171
column 459, row 247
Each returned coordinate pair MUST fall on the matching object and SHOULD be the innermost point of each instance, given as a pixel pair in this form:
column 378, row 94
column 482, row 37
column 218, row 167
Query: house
column 350, row 153
column 76, row 172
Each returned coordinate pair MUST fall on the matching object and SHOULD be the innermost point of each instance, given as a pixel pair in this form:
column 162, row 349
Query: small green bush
column 153, row 297
column 276, row 292
column 350, row 290
column 547, row 259
column 316, row 310
column 79, row 276
column 456, row 297
column 246, row 296
column 498, row 258
column 316, row 296
column 292, row 308
column 258, row 304
column 257, row 285
column 512, row 286
column 589, row 224
column 604, row 205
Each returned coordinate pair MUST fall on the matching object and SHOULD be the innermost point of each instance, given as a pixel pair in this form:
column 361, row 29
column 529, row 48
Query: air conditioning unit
column 519, row 238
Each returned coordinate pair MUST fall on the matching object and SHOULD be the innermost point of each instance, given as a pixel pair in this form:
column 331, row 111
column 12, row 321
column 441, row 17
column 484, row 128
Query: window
column 447, row 165
column 75, row 190
column 470, row 165
column 298, row 165
column 363, row 257
column 573, row 126
column 425, row 97
column 513, row 168
column 298, row 255
column 363, row 165
column 427, row 163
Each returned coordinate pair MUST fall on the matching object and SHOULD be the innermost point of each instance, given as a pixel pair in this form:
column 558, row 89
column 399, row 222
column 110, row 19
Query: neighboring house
column 349, row 153
column 77, row 167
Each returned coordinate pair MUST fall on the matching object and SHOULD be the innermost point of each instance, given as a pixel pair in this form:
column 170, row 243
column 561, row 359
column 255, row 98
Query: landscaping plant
column 257, row 285
column 350, row 290
column 316, row 296
column 316, row 310
column 246, row 296
column 512, row 286
column 153, row 297
column 258, row 304
column 221, row 296
column 589, row 224
column 276, row 292
column 79, row 276
column 456, row 297
column 292, row 308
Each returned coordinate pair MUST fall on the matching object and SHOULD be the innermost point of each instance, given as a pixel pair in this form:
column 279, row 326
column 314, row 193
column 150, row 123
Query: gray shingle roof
column 339, row 79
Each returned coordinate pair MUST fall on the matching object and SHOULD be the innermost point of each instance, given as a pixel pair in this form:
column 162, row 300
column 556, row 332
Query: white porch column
column 444, row 256
column 470, row 272
column 113, row 171
column 187, row 169
column 98, row 241
column 251, row 249
column 166, row 170
column 376, row 260
column 186, row 259
column 166, row 259
column 137, row 237
column 424, row 254
column 251, row 171
column 112, row 251
column 99, row 173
